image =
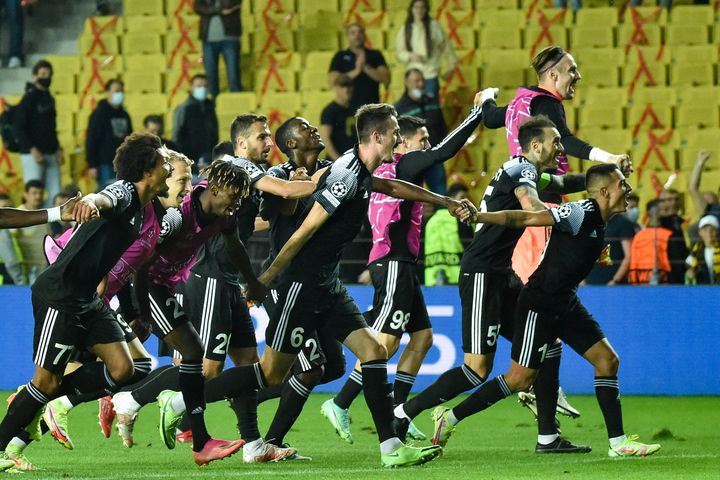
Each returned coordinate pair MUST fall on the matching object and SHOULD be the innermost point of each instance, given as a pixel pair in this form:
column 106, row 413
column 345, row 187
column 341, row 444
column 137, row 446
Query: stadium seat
column 535, row 42
column 67, row 102
column 627, row 34
column 285, row 103
column 286, row 60
column 614, row 140
column 64, row 63
column 494, row 18
column 634, row 74
column 65, row 121
column 482, row 5
column 499, row 37
column 693, row 53
column 277, row 80
column 320, row 19
column 278, row 41
column 150, row 62
column 697, row 115
column 502, row 76
column 692, row 74
column 146, row 23
column 516, row 58
column 698, row 95
column 663, row 113
column 660, row 95
column 686, row 34
column 319, row 60
column 600, row 75
column 63, row 82
column 450, row 19
column 612, row 57
column 571, row 117
column 370, row 20
column 654, row 54
column 236, row 103
column 604, row 17
column 177, row 43
column 600, row 116
column 692, row 15
column 352, row 6
column 182, row 8
column 375, row 39
column 103, row 24
column 143, row 7
column 317, row 39
column 315, row 102
column 143, row 81
column 463, row 38
column 104, row 44
column 315, row 80
column 141, row 43
column 313, row 6
column 462, row 77
column 647, row 15
column 592, row 37
column 141, row 105
column 660, row 159
column 273, row 6
column 602, row 96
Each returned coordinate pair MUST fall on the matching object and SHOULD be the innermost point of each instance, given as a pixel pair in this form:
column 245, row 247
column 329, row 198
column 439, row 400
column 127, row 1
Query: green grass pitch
column 496, row 444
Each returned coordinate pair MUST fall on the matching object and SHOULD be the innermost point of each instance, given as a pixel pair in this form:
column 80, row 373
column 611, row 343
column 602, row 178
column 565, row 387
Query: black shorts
column 167, row 312
column 59, row 333
column 220, row 314
column 127, row 329
column 398, row 304
column 302, row 309
column 536, row 329
column 488, row 309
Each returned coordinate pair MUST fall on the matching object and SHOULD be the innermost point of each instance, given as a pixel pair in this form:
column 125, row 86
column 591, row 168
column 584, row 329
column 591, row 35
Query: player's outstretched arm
column 409, row 191
column 16, row 218
column 284, row 188
column 516, row 218
column 314, row 220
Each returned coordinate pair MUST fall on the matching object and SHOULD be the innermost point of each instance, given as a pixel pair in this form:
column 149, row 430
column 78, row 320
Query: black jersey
column 344, row 193
column 212, row 259
column 92, row 251
column 575, row 244
column 283, row 226
column 492, row 245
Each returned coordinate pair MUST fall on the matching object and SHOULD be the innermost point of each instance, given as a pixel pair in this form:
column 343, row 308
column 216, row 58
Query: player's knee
column 312, row 377
column 212, row 369
column 518, row 381
column 48, row 384
column 272, row 374
column 333, row 371
column 421, row 341
column 192, row 352
column 121, row 372
column 608, row 366
column 376, row 351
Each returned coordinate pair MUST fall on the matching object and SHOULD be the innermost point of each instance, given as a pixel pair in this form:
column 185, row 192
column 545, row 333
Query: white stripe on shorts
column 45, row 335
column 157, row 314
column 292, row 295
column 528, row 339
column 476, row 328
column 390, row 286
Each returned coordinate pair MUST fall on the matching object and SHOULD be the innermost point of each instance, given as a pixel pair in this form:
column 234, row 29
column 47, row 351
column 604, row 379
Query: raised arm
column 694, row 183
column 284, row 188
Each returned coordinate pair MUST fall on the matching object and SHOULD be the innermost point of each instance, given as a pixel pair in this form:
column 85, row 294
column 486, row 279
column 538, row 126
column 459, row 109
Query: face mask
column 633, row 213
column 199, row 93
column 117, row 98
column 416, row 93
column 44, row 82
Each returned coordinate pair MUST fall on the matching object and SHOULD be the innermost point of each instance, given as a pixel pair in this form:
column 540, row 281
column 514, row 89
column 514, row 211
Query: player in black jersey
column 489, row 287
column 548, row 308
column 398, row 303
column 311, row 293
column 68, row 312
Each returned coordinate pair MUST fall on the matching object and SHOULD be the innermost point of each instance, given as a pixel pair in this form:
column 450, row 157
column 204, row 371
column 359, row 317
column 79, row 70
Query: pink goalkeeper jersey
column 134, row 256
column 517, row 111
column 385, row 211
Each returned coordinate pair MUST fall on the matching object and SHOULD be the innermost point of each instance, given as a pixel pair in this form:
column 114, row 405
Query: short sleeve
column 569, row 217
column 336, row 65
column 170, row 224
column 255, row 172
column 341, row 184
column 120, row 194
column 523, row 174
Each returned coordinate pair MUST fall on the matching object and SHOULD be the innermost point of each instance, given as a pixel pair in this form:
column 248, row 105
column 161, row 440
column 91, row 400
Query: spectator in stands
column 337, row 121
column 417, row 103
column 633, row 210
column 156, row 125
column 706, row 203
column 15, row 18
column 30, row 239
column 703, row 263
column 422, row 44
column 195, row 124
column 108, row 126
column 35, row 129
column 366, row 67
column 444, row 243
column 10, row 268
column 220, row 29
column 669, row 218
column 619, row 234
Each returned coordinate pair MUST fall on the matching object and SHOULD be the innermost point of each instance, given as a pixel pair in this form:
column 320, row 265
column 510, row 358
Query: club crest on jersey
column 528, row 173
column 564, row 211
column 338, row 189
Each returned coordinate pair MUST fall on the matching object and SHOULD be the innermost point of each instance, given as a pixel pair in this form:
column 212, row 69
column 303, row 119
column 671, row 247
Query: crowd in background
column 650, row 244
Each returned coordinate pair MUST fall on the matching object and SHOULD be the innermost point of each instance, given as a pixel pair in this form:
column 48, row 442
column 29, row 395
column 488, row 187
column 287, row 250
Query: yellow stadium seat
column 462, row 77
column 517, row 58
column 502, row 77
column 375, row 39
column 274, row 6
column 315, row 103
column 370, row 20
column 176, row 42
column 182, row 7
column 277, row 80
column 277, row 21
column 65, row 121
column 280, row 40
column 537, row 39
column 312, row 6
column 287, row 103
column 693, row 74
column 191, row 25
column 396, row 19
column 614, row 140
column 143, row 7
column 647, row 15
column 463, row 38
column 693, row 15
column 597, row 17
column 592, row 37
column 499, row 37
column 63, row 82
column 660, row 95
column 687, row 157
column 285, row 60
column 495, row 4
column 67, row 102
column 141, row 105
column 693, row 53
column 603, row 96
column 143, row 82
column 236, row 103
column 146, row 24
column 571, row 117
column 654, row 54
column 698, row 95
column 628, row 34
column 319, row 60
column 314, row 80
column 452, row 18
column 150, row 62
column 686, row 34
column 600, row 75
column 698, row 115
column 611, row 57
column 320, row 19
column 104, row 44
column 600, row 116
column 322, row 39
column 64, row 63
column 141, row 43
column 663, row 113
column 488, row 18
column 103, row 25
column 638, row 76
column 351, row 6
